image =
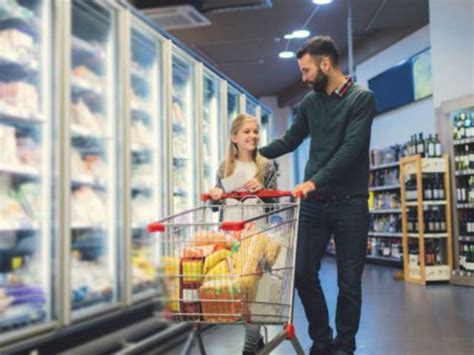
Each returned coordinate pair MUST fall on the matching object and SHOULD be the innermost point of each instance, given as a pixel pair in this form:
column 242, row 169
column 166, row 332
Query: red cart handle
column 156, row 227
column 259, row 194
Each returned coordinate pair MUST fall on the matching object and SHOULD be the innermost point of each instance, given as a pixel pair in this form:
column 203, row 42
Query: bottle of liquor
column 421, row 145
column 427, row 189
column 430, row 258
column 430, row 147
column 437, row 146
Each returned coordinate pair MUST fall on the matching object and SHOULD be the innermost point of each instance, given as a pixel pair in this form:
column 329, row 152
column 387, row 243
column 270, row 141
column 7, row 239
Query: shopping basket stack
column 231, row 262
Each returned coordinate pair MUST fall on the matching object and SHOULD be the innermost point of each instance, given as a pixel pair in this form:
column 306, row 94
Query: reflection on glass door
column 265, row 128
column 26, row 178
column 232, row 106
column 183, row 180
column 93, row 157
column 251, row 108
column 211, row 129
column 147, row 158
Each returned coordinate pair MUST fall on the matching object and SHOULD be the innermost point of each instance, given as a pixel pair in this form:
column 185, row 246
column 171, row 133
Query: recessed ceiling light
column 286, row 54
column 301, row 34
column 322, row 2
column 297, row 34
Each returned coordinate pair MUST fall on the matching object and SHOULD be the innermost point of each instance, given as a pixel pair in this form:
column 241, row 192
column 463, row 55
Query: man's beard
column 320, row 83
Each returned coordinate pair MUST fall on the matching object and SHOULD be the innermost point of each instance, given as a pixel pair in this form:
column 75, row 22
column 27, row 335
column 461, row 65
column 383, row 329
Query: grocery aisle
column 397, row 318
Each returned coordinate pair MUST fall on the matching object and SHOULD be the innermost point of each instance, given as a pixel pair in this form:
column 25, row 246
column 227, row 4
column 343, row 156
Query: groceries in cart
column 219, row 266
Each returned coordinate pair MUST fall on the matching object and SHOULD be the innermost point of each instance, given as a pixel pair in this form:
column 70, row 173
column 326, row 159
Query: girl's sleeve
column 270, row 179
column 219, row 176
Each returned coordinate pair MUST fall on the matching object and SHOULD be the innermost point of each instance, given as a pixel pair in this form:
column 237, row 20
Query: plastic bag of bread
column 255, row 249
column 219, row 239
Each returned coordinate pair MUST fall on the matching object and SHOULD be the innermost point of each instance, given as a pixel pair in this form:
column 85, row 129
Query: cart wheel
column 290, row 331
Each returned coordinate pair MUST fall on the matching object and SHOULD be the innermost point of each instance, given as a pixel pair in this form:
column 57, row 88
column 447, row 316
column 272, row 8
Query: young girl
column 244, row 160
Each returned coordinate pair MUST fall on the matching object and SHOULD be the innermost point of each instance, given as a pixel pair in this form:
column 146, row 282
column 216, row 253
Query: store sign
column 404, row 83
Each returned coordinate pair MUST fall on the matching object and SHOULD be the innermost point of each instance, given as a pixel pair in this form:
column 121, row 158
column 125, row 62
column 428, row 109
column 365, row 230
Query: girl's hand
column 253, row 185
column 216, row 193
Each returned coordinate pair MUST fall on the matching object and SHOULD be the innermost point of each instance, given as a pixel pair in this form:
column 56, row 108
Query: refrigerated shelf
column 22, row 170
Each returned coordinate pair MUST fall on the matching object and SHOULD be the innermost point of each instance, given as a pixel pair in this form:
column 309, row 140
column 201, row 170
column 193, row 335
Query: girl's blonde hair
column 232, row 151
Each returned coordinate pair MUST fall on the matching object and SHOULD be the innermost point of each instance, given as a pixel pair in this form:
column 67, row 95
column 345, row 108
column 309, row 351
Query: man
column 337, row 115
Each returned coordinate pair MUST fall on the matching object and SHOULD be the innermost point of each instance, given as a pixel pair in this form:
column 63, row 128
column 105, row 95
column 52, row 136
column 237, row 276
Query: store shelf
column 89, row 181
column 385, row 234
column 12, row 114
column 385, row 188
column 16, row 68
column 466, row 205
column 139, row 149
column 22, row 170
column 429, row 235
column 139, row 227
column 465, row 172
column 426, row 203
column 466, row 238
column 88, row 226
column 463, row 141
column 19, row 226
column 80, row 86
column 83, row 132
column 386, row 211
column 385, row 166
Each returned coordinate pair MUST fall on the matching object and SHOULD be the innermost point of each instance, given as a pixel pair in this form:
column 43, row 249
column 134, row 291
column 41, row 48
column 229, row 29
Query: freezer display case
column 233, row 105
column 93, row 158
column 26, row 168
column 147, row 156
column 211, row 128
column 184, row 172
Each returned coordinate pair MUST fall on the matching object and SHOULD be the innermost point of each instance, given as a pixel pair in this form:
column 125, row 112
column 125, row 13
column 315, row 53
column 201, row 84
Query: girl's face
column 247, row 136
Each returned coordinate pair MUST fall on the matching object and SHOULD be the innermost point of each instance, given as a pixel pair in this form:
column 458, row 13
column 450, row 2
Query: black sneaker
column 260, row 346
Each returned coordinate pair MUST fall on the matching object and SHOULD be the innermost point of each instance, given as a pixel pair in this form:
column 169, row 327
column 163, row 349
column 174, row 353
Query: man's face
column 312, row 74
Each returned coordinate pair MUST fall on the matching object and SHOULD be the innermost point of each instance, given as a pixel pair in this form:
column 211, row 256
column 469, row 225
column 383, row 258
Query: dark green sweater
column 339, row 128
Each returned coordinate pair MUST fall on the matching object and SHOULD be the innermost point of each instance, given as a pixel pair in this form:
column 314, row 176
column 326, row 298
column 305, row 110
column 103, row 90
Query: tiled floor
column 397, row 318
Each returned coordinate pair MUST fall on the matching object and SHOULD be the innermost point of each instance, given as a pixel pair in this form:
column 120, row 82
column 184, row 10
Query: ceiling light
column 322, row 2
column 297, row 34
column 286, row 54
column 301, row 34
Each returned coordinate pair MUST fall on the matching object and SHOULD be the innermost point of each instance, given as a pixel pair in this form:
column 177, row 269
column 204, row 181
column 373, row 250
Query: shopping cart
column 231, row 263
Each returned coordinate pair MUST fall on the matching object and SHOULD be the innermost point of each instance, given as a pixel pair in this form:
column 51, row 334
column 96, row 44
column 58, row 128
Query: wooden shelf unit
column 422, row 273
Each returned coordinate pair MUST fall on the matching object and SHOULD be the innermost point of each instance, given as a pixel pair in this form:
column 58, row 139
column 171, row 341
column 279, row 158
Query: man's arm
column 293, row 137
column 357, row 137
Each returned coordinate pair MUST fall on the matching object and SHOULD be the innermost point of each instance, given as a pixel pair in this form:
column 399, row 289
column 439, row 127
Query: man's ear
column 325, row 65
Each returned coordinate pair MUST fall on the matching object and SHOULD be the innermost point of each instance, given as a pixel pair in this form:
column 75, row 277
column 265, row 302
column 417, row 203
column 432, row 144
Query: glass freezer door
column 211, row 128
column 232, row 106
column 251, row 108
column 265, row 128
column 183, row 132
column 26, row 169
column 93, row 161
column 147, row 142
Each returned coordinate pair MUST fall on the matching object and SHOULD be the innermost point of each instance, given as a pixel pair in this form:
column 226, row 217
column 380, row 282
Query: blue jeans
column 348, row 221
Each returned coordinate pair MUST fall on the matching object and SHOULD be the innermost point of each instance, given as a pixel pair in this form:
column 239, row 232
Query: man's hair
column 320, row 46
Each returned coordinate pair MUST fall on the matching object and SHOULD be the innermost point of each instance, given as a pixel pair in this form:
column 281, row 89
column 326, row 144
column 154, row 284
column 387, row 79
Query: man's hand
column 304, row 188
column 216, row 193
column 253, row 185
